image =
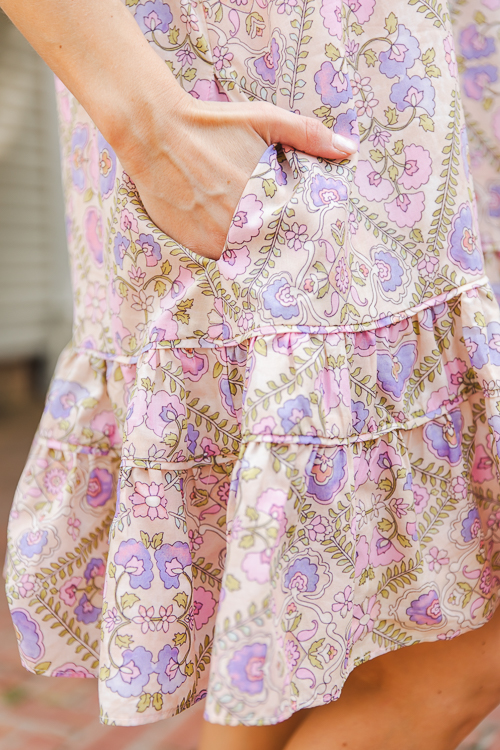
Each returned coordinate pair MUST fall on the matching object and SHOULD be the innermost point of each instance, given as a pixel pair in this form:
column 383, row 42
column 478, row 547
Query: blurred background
column 35, row 324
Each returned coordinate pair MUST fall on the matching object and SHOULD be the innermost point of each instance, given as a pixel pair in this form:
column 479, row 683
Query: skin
column 426, row 696
column 190, row 161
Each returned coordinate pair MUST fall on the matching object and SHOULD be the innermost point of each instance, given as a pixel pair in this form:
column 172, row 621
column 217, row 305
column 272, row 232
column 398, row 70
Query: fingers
column 277, row 125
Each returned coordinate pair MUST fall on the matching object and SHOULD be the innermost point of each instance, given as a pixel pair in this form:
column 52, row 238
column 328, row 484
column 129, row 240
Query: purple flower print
column 279, row 299
column 267, row 65
column 327, row 473
column 425, row 610
column 99, row 488
column 476, row 344
column 475, row 79
column 414, row 92
column 401, row 55
column 326, row 190
column 120, row 247
column 332, row 85
column 134, row 557
column 359, row 415
column 79, row 140
column 63, row 396
column 107, row 166
column 494, row 203
column 154, row 15
column 270, row 157
column 394, row 370
column 164, row 408
column 302, row 575
column 86, row 612
column 293, row 411
column 171, row 560
column 389, row 270
column 347, row 124
column 444, row 440
column 191, row 438
column 494, row 423
column 95, row 569
column 167, row 668
column 29, row 636
column 246, row 668
column 134, row 673
column 473, row 44
column 32, row 543
column 463, row 247
column 471, row 526
column 150, row 248
column 71, row 670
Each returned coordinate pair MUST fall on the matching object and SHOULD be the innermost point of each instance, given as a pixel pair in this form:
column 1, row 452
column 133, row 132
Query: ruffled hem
column 358, row 473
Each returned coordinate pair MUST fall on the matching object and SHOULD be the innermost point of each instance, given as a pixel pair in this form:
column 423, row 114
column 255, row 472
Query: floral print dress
column 253, row 474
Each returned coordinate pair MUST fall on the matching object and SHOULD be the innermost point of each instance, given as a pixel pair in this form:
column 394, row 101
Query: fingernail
column 344, row 144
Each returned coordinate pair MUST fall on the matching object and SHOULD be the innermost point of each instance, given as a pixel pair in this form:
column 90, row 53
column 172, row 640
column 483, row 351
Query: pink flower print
column 319, row 529
column 265, row 426
column 95, row 302
column 166, row 618
column 163, row 411
column 145, row 619
column 296, row 236
column 194, row 363
column 383, row 551
column 459, row 487
column 208, row 91
column 334, row 385
column 362, row 8
column 450, row 56
column 26, row 585
column 222, row 58
column 73, row 527
column 370, row 183
column 137, row 275
column 383, row 456
column 136, row 411
column 247, row 220
column 256, row 565
column 343, row 601
column 342, row 278
column 186, row 56
column 195, row 540
column 332, row 17
column 407, row 209
column 105, row 423
column 68, row 590
column 428, row 265
column 111, row 619
column 149, row 500
column 209, row 447
column 142, row 302
column 482, row 468
column 189, row 19
column 362, row 551
column 94, row 233
column 233, row 263
column 203, row 605
column 286, row 6
column 128, row 221
column 54, row 481
column 364, row 617
column 442, row 399
column 436, row 559
column 420, row 496
column 379, row 137
column 223, row 492
column 418, row 167
column 292, row 653
column 366, row 105
column 399, row 507
column 245, row 322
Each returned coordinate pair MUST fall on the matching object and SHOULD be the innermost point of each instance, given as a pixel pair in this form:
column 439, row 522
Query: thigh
column 216, row 737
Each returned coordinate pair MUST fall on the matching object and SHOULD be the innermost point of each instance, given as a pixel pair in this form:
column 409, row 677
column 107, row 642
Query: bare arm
column 189, row 159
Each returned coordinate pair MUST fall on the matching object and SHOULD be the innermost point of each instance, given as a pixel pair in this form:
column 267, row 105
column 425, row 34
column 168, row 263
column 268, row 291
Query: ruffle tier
column 357, row 473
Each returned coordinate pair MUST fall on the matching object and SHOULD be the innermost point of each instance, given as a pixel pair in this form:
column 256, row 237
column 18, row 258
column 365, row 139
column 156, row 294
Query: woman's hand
column 190, row 177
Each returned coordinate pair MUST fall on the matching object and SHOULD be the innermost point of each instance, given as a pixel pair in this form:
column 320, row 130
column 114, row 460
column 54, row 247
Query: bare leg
column 429, row 695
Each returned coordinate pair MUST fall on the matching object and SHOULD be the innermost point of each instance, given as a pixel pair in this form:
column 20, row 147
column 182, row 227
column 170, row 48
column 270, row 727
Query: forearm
column 97, row 49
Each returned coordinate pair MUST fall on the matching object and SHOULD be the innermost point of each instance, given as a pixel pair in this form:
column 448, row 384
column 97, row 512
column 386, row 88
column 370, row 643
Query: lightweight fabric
column 255, row 473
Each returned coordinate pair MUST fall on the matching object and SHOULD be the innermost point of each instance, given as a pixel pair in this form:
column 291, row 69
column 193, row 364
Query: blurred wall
column 35, row 295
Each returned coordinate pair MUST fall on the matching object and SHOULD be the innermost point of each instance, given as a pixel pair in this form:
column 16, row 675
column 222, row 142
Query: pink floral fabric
column 253, row 474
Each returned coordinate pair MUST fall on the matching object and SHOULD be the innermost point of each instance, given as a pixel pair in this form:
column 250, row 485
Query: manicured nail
column 344, row 144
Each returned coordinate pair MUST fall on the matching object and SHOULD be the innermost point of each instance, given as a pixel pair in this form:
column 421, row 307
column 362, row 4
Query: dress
column 329, row 389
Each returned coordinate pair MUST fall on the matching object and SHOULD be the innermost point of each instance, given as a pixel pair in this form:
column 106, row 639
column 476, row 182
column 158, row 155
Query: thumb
column 277, row 125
